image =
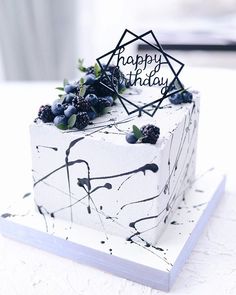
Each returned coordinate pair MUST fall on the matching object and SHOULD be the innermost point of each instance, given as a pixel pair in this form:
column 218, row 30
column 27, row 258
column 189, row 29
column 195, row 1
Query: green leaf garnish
column 60, row 88
column 137, row 133
column 65, row 82
column 62, row 126
column 122, row 90
column 81, row 81
column 71, row 121
column 97, row 70
column 81, row 65
column 82, row 90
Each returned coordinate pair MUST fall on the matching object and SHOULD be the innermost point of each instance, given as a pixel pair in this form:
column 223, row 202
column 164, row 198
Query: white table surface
column 211, row 268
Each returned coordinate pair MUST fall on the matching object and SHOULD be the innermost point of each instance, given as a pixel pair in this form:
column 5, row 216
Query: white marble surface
column 211, row 268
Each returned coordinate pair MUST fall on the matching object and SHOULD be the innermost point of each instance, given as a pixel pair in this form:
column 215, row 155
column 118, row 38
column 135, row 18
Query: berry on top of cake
column 88, row 98
column 146, row 134
column 84, row 100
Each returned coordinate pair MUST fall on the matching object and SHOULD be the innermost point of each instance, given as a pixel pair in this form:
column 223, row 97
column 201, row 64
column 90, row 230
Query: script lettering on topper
column 144, row 69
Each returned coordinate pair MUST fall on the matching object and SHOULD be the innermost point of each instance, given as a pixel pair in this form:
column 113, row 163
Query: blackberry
column 82, row 120
column 102, row 82
column 116, row 72
column 45, row 113
column 104, row 102
column 150, row 133
column 101, row 104
column 81, row 104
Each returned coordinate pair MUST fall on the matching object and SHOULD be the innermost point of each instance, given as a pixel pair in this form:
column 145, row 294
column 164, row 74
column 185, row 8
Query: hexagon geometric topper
column 159, row 71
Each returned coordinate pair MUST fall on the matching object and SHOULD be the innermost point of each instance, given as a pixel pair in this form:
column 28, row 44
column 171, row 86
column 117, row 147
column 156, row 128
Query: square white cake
column 97, row 179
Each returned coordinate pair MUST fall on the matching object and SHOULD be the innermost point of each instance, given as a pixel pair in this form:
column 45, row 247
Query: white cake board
column 155, row 267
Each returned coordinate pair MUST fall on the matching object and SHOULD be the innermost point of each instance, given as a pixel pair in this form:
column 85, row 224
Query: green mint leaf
column 71, row 121
column 62, row 126
column 137, row 133
column 65, row 82
column 60, row 88
column 81, row 81
column 97, row 70
column 122, row 90
column 81, row 65
column 82, row 90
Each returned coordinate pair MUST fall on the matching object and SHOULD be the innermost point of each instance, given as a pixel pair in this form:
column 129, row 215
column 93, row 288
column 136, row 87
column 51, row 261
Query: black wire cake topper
column 142, row 71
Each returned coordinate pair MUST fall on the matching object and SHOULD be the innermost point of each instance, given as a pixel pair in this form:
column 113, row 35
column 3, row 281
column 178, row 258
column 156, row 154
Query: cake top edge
column 115, row 125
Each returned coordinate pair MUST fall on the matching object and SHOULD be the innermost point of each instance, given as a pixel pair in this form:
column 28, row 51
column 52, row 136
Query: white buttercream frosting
column 123, row 195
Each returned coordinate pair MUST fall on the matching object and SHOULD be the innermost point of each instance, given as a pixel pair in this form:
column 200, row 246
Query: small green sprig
column 83, row 69
column 65, row 82
column 137, row 132
column 97, row 70
column 71, row 121
column 81, row 66
column 61, row 88
column 82, row 87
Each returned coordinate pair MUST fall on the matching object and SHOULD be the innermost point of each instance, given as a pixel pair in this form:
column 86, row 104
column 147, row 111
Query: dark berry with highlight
column 45, row 114
column 150, row 133
column 82, row 120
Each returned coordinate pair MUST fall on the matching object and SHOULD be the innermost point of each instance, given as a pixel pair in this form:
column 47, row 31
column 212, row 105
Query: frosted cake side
column 95, row 178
